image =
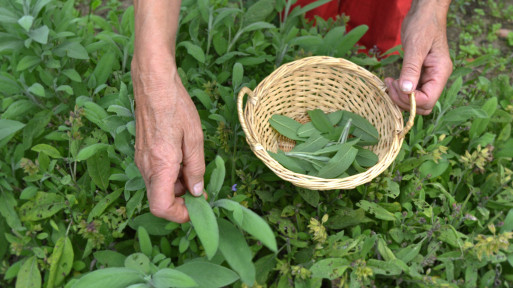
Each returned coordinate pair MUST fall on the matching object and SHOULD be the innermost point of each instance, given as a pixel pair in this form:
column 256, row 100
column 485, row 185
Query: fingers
column 414, row 56
column 161, row 196
column 193, row 160
column 402, row 100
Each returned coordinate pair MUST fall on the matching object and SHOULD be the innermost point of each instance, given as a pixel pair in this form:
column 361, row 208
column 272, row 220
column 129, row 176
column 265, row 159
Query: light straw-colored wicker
column 329, row 84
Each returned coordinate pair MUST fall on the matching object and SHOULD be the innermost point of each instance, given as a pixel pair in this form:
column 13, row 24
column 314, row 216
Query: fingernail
column 406, row 86
column 198, row 189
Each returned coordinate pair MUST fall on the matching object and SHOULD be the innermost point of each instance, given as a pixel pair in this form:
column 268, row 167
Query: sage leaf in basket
column 320, row 121
column 335, row 117
column 314, row 143
column 366, row 158
column 287, row 162
column 306, row 130
column 340, row 162
column 285, row 126
column 364, row 130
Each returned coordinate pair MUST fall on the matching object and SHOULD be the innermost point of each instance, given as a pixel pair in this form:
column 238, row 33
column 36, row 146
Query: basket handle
column 240, row 101
column 413, row 110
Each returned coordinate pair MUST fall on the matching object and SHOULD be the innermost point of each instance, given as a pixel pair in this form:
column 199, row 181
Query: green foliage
column 72, row 206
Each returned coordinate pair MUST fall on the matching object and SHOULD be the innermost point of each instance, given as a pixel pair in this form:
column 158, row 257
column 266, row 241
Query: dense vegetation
column 72, row 200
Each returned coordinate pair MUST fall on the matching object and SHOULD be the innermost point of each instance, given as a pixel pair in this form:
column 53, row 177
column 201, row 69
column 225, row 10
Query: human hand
column 169, row 138
column 427, row 64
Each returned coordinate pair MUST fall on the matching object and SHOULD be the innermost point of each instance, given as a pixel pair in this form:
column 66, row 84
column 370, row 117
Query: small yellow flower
column 362, row 271
column 318, row 230
column 491, row 245
column 301, row 272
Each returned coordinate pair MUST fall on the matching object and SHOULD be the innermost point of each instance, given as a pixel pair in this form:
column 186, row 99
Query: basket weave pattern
column 329, row 84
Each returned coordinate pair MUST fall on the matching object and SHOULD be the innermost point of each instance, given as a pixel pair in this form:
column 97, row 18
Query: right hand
column 169, row 138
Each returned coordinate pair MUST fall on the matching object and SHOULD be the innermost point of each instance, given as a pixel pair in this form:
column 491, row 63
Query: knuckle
column 158, row 211
column 411, row 68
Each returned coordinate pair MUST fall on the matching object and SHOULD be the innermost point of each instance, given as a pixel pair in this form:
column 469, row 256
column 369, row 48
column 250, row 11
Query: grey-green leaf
column 285, row 126
column 110, row 277
column 320, row 120
column 363, row 128
column 314, row 143
column 90, row 150
column 340, row 162
column 29, row 275
column 256, row 226
column 43, row 206
column 366, row 158
column 167, row 277
column 61, row 261
column 306, row 130
column 9, row 127
column 98, row 168
column 233, row 206
column 204, row 222
column 236, row 251
column 208, row 275
column 287, row 162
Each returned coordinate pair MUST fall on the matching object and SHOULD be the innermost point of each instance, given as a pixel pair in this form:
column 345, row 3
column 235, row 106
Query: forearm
column 156, row 25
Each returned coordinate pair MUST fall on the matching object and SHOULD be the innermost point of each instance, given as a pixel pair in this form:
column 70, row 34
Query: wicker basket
column 329, row 84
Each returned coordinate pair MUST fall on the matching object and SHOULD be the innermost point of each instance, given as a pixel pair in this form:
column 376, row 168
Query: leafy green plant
column 72, row 205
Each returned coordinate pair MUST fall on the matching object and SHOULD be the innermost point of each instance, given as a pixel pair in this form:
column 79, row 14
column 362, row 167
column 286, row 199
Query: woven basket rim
column 307, row 181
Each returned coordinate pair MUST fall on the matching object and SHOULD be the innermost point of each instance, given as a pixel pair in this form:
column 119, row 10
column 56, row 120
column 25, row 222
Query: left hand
column 427, row 64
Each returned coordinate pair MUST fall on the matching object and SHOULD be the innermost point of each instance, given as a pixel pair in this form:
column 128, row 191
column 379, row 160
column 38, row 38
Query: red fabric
column 384, row 18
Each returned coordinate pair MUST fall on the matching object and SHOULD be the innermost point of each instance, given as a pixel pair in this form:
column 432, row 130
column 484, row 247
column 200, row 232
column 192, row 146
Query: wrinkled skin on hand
column 169, row 140
column 427, row 64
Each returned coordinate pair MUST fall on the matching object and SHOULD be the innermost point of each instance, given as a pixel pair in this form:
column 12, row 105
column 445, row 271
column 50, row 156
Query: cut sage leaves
column 332, row 145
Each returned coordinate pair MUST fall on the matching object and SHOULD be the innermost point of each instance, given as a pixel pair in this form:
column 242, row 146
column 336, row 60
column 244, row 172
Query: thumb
column 412, row 67
column 193, row 161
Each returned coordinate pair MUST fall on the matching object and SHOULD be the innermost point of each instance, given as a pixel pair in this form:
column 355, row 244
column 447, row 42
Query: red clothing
column 384, row 18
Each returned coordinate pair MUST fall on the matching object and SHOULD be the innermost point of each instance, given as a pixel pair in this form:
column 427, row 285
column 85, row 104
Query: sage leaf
column 363, row 128
column 376, row 210
column 103, row 204
column 138, row 262
column 98, row 168
column 110, row 277
column 384, row 251
column 320, row 120
column 9, row 127
column 29, row 275
column 258, row 228
column 335, row 117
column 43, row 206
column 366, row 158
column 285, row 126
column 154, row 225
column 90, row 150
column 167, row 277
column 144, row 241
column 340, row 162
column 330, row 268
column 48, row 150
column 287, row 162
column 233, row 206
column 408, row 253
column 306, row 130
column 208, row 275
column 110, row 258
column 314, row 143
column 307, row 156
column 61, row 261
column 217, row 177
column 204, row 222
column 236, row 251
column 345, row 132
column 358, row 168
